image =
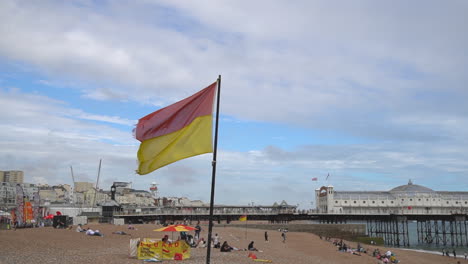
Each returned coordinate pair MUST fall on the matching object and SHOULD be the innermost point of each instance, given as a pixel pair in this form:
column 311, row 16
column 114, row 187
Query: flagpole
column 213, row 175
column 245, row 228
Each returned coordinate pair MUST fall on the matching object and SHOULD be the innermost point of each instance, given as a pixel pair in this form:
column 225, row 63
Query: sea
column 415, row 245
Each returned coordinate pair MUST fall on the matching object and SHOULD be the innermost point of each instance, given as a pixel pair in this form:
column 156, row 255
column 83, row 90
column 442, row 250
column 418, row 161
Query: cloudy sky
column 373, row 93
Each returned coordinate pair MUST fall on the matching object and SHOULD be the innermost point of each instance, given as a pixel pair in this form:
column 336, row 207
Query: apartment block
column 12, row 176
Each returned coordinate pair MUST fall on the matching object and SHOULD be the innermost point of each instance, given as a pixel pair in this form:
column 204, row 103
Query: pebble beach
column 49, row 245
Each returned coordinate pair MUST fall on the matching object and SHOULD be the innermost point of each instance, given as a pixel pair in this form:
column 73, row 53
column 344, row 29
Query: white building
column 8, row 193
column 404, row 199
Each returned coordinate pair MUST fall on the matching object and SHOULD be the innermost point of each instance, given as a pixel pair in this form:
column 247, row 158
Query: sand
column 48, row 245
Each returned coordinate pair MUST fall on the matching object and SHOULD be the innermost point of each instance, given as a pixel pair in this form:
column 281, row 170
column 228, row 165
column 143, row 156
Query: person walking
column 283, row 235
column 266, row 236
column 197, row 231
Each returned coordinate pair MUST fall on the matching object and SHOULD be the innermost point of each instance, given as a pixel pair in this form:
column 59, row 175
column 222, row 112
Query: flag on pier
column 178, row 131
column 327, row 176
column 243, row 218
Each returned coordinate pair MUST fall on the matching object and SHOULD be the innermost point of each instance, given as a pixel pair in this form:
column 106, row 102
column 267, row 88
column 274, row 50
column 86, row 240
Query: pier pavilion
column 411, row 199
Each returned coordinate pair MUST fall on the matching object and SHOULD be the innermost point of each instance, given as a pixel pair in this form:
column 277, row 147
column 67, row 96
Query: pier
column 433, row 229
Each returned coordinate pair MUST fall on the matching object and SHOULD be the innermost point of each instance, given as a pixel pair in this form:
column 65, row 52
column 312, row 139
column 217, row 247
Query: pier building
column 411, row 199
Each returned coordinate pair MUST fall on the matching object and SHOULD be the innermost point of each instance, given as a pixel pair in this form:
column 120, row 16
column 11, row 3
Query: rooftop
column 411, row 188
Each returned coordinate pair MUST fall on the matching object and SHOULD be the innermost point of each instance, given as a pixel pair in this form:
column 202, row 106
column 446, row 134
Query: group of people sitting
column 225, row 247
column 202, row 243
column 388, row 257
column 88, row 231
column 343, row 247
column 189, row 239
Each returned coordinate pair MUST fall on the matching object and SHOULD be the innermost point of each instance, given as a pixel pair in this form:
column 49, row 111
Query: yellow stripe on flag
column 243, row 218
column 192, row 140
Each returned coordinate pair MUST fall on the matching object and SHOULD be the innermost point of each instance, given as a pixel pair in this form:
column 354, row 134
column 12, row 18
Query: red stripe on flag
column 176, row 116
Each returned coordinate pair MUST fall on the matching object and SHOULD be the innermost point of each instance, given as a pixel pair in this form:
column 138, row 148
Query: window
column 419, row 199
column 345, row 201
column 391, row 201
column 363, row 201
column 383, row 202
column 373, row 202
column 447, row 202
column 336, row 201
column 354, row 201
column 411, row 199
column 402, row 200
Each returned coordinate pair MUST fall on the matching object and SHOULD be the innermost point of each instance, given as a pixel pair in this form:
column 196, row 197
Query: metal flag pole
column 213, row 176
column 246, row 229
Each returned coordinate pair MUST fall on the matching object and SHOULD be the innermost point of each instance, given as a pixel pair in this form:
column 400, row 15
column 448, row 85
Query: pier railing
column 194, row 211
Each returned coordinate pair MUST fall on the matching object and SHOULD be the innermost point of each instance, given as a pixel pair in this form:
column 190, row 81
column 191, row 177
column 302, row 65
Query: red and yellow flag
column 243, row 218
column 178, row 131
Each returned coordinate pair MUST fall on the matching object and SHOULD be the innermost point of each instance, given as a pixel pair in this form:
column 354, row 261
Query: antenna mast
column 97, row 183
column 73, row 189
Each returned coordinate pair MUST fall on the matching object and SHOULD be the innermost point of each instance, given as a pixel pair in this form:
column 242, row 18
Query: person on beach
column 454, row 253
column 91, row 232
column 225, row 247
column 120, row 233
column 80, row 229
column 190, row 240
column 197, row 231
column 183, row 235
column 98, row 233
column 388, row 254
column 283, row 235
column 466, row 254
column 266, row 236
column 165, row 239
column 216, row 243
column 251, row 247
column 201, row 243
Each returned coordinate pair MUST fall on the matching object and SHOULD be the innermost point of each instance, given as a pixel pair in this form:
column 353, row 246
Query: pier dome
column 411, row 188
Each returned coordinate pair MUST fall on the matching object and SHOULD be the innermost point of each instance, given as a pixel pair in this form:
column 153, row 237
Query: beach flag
column 327, row 176
column 243, row 218
column 314, row 179
column 179, row 131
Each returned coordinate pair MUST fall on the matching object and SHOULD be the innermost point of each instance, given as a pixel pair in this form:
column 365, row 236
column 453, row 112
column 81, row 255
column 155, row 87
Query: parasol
column 49, row 216
column 175, row 228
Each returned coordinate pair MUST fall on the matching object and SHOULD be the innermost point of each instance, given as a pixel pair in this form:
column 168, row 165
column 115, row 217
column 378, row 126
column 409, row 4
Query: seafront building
column 64, row 197
column 405, row 199
column 12, row 176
